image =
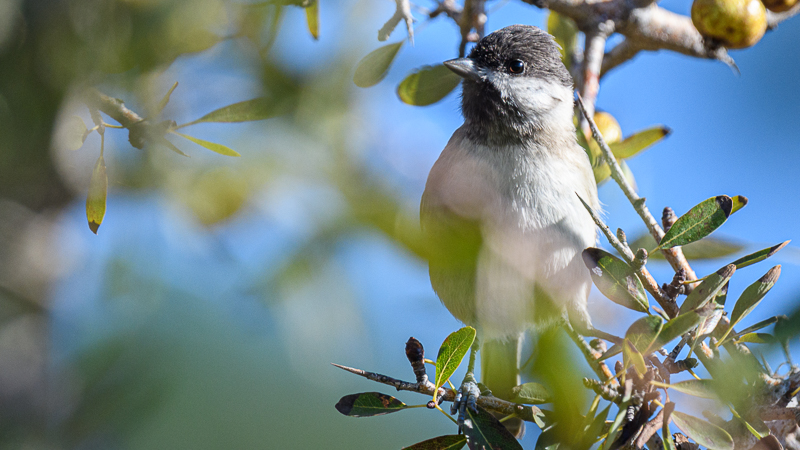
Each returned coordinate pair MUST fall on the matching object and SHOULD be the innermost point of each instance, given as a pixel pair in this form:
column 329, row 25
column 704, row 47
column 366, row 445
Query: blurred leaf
column 677, row 327
column 217, row 194
column 548, row 440
column 531, row 393
column 165, row 99
column 763, row 324
column 693, row 387
column 666, row 436
column 704, row 433
column 594, row 429
column 769, row 442
column 601, row 172
column 368, row 404
column 214, row 147
column 448, row 442
column 706, row 248
column 639, row 141
column 484, row 431
column 615, row 349
column 247, row 111
column 452, row 351
column 98, row 192
column 615, row 279
column 756, row 338
column 699, row 222
column 312, row 18
column 632, row 356
column 739, row 202
column 753, row 295
column 759, row 256
column 626, row 171
column 565, row 32
column 706, row 290
column 643, row 332
column 164, row 142
column 427, row 85
column 73, row 133
column 374, row 67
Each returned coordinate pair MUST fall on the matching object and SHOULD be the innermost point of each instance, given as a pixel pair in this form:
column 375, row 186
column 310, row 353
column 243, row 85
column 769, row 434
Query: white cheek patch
column 530, row 94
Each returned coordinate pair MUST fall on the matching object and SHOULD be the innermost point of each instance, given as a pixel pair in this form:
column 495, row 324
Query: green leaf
column 427, row 85
column 312, row 18
column 165, row 99
column 756, row 338
column 739, row 202
column 759, row 256
column 699, row 222
column 632, row 356
column 214, row 147
column 639, row 141
column 704, row 249
column 615, row 279
column 98, row 192
column 565, row 31
column 627, row 173
column 170, row 145
column 247, row 111
column 643, row 332
column 368, row 404
column 666, row 436
column 374, row 67
column 452, row 352
column 763, row 324
column 531, row 393
column 677, row 327
column 708, row 289
column 484, row 431
column 73, row 133
column 753, row 295
column 447, row 442
column 615, row 349
column 696, row 388
column 704, row 433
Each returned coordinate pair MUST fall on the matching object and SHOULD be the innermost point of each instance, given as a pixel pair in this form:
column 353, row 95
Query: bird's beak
column 464, row 67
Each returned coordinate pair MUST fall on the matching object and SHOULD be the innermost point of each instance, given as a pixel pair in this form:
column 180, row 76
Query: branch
column 674, row 255
column 403, row 12
column 592, row 63
column 524, row 412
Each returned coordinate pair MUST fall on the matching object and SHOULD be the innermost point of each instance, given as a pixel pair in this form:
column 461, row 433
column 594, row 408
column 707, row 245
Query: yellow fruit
column 779, row 5
column 735, row 23
column 608, row 126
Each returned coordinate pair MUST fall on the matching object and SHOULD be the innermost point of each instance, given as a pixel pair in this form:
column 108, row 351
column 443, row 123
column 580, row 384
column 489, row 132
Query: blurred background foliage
column 206, row 311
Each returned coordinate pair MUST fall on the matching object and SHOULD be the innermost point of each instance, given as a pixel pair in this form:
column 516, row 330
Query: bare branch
column 524, row 412
column 403, row 12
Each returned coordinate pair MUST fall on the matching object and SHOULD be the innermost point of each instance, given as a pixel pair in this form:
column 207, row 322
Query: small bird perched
column 500, row 206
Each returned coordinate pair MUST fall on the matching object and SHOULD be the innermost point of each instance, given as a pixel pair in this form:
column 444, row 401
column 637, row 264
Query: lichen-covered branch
column 403, row 12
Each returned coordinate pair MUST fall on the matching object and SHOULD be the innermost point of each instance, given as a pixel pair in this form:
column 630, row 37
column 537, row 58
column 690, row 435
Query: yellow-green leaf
column 639, row 141
column 707, row 248
column 565, row 32
column 704, row 433
column 615, row 279
column 739, row 202
column 666, row 436
column 677, row 327
column 98, row 192
column 214, row 147
column 756, row 338
column 452, row 351
column 631, row 356
column 368, row 404
column 427, row 85
column 753, row 295
column 694, row 387
column 73, row 133
column 247, row 111
column 706, row 290
column 312, row 18
column 165, row 99
column 643, row 332
column 531, row 393
column 374, row 67
column 447, row 442
column 699, row 222
column 759, row 256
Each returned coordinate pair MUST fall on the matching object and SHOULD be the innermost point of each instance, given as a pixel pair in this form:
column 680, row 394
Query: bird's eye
column 516, row 66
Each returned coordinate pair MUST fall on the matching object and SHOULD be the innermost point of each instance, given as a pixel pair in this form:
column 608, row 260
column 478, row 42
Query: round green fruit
column 735, row 23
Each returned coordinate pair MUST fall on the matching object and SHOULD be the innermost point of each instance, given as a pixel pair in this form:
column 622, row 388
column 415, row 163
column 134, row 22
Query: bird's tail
column 500, row 373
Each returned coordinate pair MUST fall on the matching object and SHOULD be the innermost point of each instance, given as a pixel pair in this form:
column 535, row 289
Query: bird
column 500, row 211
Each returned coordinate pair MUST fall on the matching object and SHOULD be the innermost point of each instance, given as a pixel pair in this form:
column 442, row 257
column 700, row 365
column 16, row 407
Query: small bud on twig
column 668, row 218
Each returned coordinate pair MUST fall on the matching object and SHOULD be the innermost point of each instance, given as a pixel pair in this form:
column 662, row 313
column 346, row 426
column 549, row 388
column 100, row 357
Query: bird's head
column 514, row 85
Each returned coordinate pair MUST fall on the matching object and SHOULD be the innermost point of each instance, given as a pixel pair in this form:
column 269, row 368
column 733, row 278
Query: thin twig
column 674, row 255
column 403, row 12
column 524, row 412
